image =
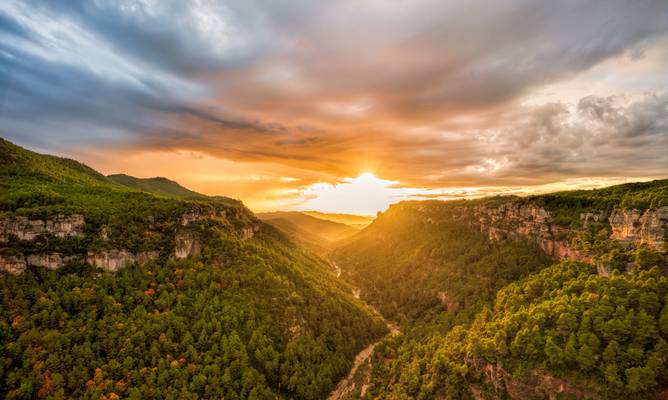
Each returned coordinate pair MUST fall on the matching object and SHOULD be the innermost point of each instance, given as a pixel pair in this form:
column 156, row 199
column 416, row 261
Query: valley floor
column 352, row 384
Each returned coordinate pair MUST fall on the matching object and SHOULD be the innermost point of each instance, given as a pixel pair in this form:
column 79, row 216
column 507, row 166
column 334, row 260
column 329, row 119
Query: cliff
column 23, row 228
column 520, row 219
column 18, row 233
column 629, row 228
column 536, row 384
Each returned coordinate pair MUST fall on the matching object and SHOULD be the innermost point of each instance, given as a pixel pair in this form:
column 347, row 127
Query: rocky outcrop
column 534, row 385
column 113, row 260
column 447, row 301
column 12, row 264
column 108, row 260
column 186, row 245
column 648, row 227
column 248, row 232
column 235, row 218
column 49, row 260
column 23, row 228
column 196, row 215
column 629, row 227
column 515, row 220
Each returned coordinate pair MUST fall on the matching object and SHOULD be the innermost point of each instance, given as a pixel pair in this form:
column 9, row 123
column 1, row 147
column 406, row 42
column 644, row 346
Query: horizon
column 343, row 107
column 453, row 195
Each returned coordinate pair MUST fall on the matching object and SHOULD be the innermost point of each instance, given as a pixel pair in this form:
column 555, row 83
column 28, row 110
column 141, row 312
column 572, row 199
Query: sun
column 367, row 176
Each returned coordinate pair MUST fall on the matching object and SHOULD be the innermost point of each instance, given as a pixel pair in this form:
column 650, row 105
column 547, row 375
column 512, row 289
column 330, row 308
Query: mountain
column 314, row 233
column 563, row 295
column 157, row 185
column 112, row 292
column 355, row 221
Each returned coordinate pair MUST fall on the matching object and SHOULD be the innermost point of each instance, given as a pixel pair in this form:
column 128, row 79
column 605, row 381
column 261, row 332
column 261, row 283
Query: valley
column 120, row 287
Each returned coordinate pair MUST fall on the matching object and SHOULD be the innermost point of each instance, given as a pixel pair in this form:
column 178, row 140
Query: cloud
column 427, row 93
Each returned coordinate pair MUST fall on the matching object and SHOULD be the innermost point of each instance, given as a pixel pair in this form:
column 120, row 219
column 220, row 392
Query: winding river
column 347, row 385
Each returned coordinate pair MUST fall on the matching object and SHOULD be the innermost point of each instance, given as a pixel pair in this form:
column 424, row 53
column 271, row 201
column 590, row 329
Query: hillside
column 314, row 233
column 488, row 310
column 157, row 185
column 112, row 292
column 355, row 221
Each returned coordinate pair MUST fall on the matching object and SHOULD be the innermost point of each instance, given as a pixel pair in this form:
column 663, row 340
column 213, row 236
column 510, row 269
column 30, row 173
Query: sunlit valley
column 333, row 200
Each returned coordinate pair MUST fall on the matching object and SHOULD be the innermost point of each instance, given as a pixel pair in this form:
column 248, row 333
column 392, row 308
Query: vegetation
column 567, row 206
column 158, row 185
column 605, row 337
column 258, row 318
column 264, row 318
column 263, row 323
column 413, row 264
column 546, row 329
column 318, row 235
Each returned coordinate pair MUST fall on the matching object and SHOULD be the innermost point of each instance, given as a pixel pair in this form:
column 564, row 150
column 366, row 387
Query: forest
column 256, row 315
column 247, row 318
column 488, row 318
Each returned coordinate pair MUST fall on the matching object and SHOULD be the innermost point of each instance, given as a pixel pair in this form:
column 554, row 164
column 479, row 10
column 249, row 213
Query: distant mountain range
column 355, row 221
column 319, row 235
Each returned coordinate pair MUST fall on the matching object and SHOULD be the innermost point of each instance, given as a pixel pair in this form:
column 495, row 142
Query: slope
column 510, row 328
column 112, row 292
column 314, row 233
column 355, row 221
column 157, row 185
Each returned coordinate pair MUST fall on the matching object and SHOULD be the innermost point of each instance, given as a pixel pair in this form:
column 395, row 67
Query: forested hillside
column 409, row 267
column 318, row 235
column 157, row 185
column 110, row 292
column 488, row 312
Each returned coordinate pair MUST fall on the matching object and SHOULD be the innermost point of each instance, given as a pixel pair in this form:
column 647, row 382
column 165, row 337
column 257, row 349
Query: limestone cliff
column 515, row 218
column 113, row 260
column 187, row 232
column 635, row 226
column 536, row 384
column 23, row 228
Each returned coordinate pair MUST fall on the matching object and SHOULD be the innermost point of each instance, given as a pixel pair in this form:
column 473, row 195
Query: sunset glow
column 286, row 106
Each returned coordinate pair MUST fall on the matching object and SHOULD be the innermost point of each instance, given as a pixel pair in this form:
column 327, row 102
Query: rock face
column 113, row 260
column 629, row 227
column 248, row 232
column 520, row 219
column 108, row 260
column 232, row 216
column 48, row 260
column 24, row 228
column 516, row 220
column 635, row 227
column 12, row 264
column 186, row 245
column 537, row 384
column 187, row 242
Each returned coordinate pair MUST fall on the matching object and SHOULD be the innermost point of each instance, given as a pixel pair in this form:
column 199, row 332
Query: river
column 347, row 385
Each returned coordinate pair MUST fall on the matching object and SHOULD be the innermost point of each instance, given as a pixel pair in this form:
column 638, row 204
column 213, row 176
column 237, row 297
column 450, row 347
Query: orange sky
column 343, row 106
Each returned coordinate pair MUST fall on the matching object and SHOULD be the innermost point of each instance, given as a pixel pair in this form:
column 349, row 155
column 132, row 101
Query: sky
column 343, row 106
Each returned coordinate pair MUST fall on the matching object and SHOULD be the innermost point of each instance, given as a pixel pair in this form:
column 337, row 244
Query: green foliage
column 412, row 268
column 317, row 235
column 249, row 319
column 158, row 185
column 602, row 335
column 262, row 324
column 567, row 206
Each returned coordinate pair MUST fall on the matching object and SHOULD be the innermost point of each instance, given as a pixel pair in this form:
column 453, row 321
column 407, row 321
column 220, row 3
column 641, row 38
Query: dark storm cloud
column 319, row 85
